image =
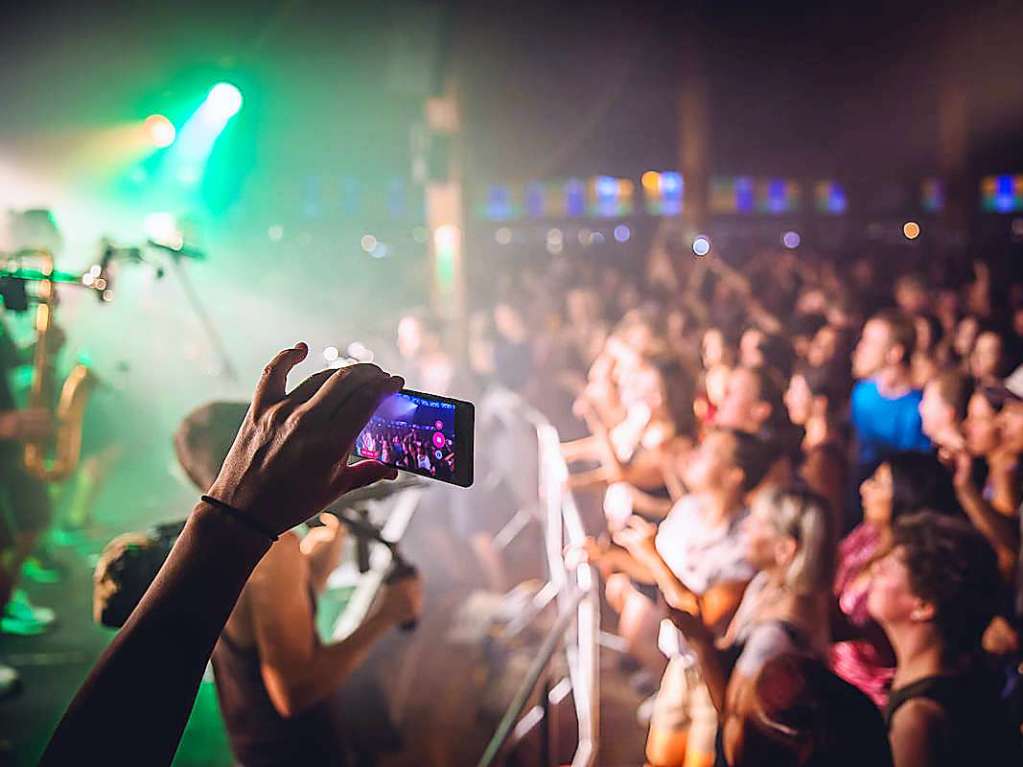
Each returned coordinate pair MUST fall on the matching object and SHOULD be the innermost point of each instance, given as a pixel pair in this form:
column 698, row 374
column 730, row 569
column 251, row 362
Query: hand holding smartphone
column 424, row 434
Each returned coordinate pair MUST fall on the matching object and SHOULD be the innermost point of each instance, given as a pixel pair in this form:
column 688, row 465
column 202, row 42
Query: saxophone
column 54, row 458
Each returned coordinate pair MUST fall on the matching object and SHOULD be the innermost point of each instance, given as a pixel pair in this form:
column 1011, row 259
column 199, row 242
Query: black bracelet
column 238, row 516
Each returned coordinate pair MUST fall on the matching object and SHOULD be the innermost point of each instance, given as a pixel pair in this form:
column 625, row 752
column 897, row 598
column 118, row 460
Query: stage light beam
column 224, row 101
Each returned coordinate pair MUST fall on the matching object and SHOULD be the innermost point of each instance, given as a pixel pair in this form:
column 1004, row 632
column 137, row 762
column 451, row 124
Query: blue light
column 622, row 233
column 606, row 186
column 701, row 245
column 575, row 197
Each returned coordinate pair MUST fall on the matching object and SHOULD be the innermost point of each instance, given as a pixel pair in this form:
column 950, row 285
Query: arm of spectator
column 1001, row 531
column 321, row 547
column 1006, row 482
column 589, row 478
column 916, row 733
column 638, row 538
column 651, row 505
column 713, row 663
column 297, row 670
column 767, row 321
column 609, row 559
column 288, row 461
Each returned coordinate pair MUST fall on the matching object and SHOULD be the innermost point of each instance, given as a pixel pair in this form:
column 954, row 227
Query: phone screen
column 421, row 433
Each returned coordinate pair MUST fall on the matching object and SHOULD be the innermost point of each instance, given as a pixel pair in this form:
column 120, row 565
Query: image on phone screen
column 423, row 434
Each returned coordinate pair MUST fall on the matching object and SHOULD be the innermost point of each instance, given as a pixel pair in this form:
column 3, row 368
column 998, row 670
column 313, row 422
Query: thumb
column 363, row 473
column 330, row 521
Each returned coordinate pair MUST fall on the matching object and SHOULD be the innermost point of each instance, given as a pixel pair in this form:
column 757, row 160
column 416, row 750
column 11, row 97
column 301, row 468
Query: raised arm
column 288, row 461
column 297, row 670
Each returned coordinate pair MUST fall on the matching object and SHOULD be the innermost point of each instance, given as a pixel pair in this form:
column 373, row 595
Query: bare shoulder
column 283, row 560
column 916, row 732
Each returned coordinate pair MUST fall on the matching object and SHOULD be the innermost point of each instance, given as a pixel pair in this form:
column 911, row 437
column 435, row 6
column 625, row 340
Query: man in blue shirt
column 885, row 409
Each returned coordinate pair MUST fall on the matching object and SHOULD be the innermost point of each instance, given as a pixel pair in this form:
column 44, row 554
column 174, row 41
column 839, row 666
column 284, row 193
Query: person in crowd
column 804, row 328
column 783, row 610
column 885, row 408
column 943, row 407
column 278, row 685
column 701, row 545
column 930, row 355
column 759, row 349
column 422, row 353
column 506, row 424
column 288, row 461
column 657, row 422
column 934, row 594
column 753, row 401
column 904, row 484
column 798, row 713
column 26, row 510
column 815, row 399
column 911, row 295
column 983, row 441
column 987, row 357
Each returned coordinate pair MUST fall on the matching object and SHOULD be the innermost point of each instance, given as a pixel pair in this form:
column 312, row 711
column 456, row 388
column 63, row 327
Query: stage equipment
column 54, row 458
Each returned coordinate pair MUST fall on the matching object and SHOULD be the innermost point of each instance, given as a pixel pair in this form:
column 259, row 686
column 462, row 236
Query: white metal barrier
column 577, row 629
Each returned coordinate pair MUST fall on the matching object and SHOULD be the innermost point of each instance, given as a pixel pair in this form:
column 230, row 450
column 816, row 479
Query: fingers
column 272, row 386
column 305, row 390
column 342, row 385
column 330, row 521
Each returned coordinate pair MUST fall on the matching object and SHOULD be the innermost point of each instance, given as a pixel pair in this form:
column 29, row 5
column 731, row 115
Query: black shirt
column 977, row 729
column 259, row 735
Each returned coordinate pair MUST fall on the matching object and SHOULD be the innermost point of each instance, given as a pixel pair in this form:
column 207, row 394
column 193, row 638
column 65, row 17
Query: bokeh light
column 911, row 229
column 161, row 131
column 791, row 240
column 701, row 245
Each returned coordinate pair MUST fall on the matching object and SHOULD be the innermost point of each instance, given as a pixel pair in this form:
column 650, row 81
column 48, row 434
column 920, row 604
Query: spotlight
column 161, row 131
column 911, row 229
column 162, row 227
column 701, row 245
column 791, row 240
column 224, row 101
column 622, row 233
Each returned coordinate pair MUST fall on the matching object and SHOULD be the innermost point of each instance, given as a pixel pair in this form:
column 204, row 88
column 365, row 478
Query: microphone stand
column 198, row 308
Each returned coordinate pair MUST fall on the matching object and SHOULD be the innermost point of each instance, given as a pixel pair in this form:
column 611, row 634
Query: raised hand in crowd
column 288, row 461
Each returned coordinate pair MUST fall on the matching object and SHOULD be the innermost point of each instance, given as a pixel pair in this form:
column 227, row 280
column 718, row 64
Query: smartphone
column 424, row 434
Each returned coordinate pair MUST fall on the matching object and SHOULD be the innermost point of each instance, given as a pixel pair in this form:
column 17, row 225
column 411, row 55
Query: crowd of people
column 810, row 475
column 407, row 447
column 803, row 481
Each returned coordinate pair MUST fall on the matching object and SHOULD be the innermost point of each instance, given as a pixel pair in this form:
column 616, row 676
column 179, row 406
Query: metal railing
column 576, row 630
column 577, row 627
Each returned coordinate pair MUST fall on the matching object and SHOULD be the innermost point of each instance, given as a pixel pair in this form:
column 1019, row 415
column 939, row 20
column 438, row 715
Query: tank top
column 259, row 735
column 977, row 729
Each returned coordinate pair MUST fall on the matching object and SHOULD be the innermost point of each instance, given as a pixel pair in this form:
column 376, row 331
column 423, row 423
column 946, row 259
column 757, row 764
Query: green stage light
column 223, row 101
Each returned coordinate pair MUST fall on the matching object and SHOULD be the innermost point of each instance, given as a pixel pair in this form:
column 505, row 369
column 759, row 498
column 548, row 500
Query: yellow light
column 161, row 131
column 651, row 181
column 911, row 229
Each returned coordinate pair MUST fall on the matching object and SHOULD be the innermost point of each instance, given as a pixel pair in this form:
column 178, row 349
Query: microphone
column 365, row 532
column 184, row 251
